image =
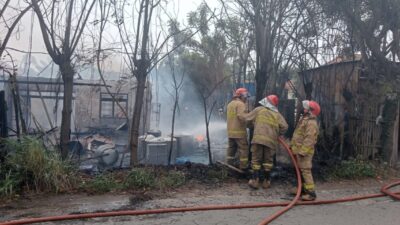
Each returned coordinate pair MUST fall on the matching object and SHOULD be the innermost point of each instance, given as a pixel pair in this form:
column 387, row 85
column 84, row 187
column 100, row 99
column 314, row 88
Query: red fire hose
column 295, row 199
column 287, row 205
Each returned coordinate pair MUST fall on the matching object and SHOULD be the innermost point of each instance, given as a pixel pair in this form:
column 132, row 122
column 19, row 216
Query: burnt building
column 94, row 109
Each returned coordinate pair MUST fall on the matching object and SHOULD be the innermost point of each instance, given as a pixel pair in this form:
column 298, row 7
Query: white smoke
column 190, row 118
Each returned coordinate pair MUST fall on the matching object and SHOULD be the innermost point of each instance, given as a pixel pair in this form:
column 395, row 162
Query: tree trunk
column 173, row 127
column 273, row 80
column 14, row 95
column 244, row 71
column 261, row 81
column 137, row 112
column 388, row 125
column 207, row 130
column 208, row 144
column 3, row 115
column 19, row 117
column 67, row 73
column 239, row 77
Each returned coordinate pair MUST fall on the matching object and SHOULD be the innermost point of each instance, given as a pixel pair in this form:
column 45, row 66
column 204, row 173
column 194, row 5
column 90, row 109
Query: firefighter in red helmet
column 303, row 146
column 268, row 125
column 237, row 133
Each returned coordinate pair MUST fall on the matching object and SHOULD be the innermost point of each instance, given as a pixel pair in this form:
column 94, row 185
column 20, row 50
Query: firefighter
column 237, row 133
column 302, row 144
column 268, row 125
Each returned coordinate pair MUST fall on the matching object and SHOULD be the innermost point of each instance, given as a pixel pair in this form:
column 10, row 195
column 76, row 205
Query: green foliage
column 136, row 179
column 101, row 184
column 173, row 179
column 140, row 178
column 9, row 185
column 353, row 169
column 27, row 163
column 199, row 18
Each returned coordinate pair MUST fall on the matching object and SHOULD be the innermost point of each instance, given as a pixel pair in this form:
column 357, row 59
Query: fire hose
column 287, row 205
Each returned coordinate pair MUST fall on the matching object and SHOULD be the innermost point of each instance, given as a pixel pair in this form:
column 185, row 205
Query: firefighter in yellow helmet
column 268, row 125
column 302, row 144
column 237, row 134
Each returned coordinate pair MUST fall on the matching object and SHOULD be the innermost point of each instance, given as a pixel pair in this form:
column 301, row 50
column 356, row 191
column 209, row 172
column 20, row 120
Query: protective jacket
column 268, row 125
column 305, row 136
column 236, row 126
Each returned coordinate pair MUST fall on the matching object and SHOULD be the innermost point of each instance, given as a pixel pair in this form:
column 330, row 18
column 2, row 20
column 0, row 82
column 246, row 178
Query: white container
column 157, row 151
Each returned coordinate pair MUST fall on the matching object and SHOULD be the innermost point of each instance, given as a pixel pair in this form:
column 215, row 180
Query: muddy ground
column 234, row 191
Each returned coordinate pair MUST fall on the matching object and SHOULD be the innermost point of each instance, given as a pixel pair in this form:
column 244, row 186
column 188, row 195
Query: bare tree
column 240, row 35
column 136, row 45
column 10, row 16
column 209, row 52
column 62, row 25
column 177, row 84
column 143, row 48
column 209, row 102
column 207, row 89
column 206, row 61
column 280, row 29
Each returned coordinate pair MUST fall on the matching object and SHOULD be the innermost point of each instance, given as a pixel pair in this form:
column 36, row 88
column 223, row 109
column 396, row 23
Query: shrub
column 353, row 169
column 28, row 163
column 9, row 186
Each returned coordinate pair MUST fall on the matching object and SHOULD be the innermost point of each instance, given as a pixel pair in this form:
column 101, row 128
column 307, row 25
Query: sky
column 21, row 36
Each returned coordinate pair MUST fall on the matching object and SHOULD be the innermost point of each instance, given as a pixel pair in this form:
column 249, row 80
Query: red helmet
column 241, row 92
column 312, row 106
column 273, row 99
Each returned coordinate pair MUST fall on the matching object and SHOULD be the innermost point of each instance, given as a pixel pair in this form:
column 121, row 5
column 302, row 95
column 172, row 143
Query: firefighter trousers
column 238, row 145
column 261, row 156
column 305, row 165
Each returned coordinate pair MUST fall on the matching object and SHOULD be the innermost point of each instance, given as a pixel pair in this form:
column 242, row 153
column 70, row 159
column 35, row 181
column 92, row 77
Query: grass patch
column 173, row 179
column 352, row 169
column 140, row 178
column 9, row 185
column 101, row 184
column 28, row 164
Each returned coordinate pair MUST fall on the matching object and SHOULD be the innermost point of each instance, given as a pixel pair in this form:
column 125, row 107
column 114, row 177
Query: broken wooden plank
column 231, row 167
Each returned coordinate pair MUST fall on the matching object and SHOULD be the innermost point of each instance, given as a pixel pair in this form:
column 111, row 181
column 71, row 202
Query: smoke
column 190, row 118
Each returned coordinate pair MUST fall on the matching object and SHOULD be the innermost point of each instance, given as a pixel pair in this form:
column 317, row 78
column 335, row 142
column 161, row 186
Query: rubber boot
column 266, row 183
column 254, row 182
column 309, row 196
column 247, row 172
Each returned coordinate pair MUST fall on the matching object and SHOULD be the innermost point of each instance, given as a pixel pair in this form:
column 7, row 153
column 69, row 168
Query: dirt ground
column 366, row 212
